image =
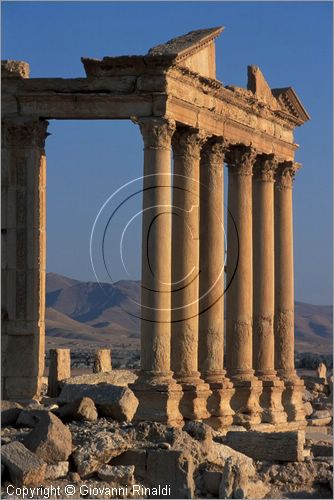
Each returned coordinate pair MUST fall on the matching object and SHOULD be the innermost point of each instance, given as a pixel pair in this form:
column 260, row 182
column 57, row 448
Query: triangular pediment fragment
column 195, row 50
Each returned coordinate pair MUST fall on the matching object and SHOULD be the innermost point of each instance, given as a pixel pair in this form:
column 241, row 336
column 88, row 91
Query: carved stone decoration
column 25, row 134
column 212, row 158
column 240, row 159
column 285, row 174
column 264, row 168
column 187, row 142
column 156, row 132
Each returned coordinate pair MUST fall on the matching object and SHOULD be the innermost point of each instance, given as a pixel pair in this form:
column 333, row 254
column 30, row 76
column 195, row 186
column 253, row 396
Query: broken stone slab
column 322, row 413
column 269, row 446
column 235, row 483
column 319, row 422
column 9, row 412
column 136, row 457
column 50, row 439
column 97, row 451
column 56, row 471
column 81, row 409
column 115, row 377
column 102, row 361
column 219, row 453
column 25, row 468
column 119, row 474
column 113, row 401
column 172, row 468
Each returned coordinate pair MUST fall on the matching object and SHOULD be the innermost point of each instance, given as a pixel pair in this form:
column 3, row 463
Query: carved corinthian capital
column 213, row 151
column 240, row 159
column 187, row 142
column 25, row 134
column 157, row 132
column 285, row 174
column 264, row 168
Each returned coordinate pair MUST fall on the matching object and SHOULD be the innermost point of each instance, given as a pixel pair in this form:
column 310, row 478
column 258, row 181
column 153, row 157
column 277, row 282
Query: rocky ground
column 85, row 441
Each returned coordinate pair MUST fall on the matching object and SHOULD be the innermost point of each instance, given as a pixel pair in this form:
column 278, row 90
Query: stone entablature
column 172, row 94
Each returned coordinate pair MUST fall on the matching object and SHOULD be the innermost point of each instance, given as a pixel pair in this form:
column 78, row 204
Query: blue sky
column 87, row 161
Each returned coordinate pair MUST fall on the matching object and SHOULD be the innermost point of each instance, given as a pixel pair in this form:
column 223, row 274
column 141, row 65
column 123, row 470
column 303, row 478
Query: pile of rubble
column 86, row 438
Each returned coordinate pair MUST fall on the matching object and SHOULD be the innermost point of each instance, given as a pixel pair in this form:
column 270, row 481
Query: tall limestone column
column 157, row 392
column 239, row 305
column 23, row 257
column 187, row 144
column 263, row 290
column 284, row 292
column 211, row 283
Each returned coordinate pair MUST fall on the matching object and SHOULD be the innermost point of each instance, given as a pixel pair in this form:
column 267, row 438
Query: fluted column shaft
column 284, row 291
column 263, row 265
column 212, row 260
column 157, row 392
column 187, row 144
column 156, row 249
column 239, row 307
column 263, row 289
column 212, row 286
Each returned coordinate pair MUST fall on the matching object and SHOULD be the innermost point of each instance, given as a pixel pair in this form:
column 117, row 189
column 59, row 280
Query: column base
column 218, row 405
column 245, row 400
column 193, row 404
column 292, row 397
column 159, row 398
column 271, row 399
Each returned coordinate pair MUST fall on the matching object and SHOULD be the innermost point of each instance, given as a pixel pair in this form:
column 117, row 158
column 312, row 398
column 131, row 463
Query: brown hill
column 108, row 314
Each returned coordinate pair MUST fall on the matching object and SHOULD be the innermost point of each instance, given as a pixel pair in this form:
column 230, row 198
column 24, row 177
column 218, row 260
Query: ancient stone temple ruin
column 185, row 115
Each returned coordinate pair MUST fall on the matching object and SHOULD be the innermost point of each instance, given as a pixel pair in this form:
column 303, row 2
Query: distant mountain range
column 96, row 314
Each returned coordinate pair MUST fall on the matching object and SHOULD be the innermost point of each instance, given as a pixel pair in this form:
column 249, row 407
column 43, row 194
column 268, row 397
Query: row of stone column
column 183, row 287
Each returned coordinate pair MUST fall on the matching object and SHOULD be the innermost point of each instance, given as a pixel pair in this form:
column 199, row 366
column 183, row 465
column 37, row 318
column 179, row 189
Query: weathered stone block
column 99, row 450
column 172, row 468
column 102, row 361
column 56, row 471
column 51, row 440
column 269, row 446
column 112, row 401
column 133, row 457
column 9, row 412
column 119, row 474
column 59, row 369
column 81, row 409
column 25, row 468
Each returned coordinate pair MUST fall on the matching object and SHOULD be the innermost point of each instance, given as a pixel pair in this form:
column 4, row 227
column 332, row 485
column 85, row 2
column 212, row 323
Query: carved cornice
column 187, row 142
column 213, row 151
column 157, row 132
column 240, row 159
column 25, row 134
column 264, row 168
column 285, row 174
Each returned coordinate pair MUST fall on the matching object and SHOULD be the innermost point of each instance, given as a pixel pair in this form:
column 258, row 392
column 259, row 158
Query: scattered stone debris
column 71, row 442
column 121, row 474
